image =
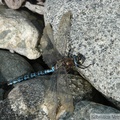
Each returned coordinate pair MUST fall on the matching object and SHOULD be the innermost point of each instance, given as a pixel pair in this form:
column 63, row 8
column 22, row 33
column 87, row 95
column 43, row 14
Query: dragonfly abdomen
column 30, row 76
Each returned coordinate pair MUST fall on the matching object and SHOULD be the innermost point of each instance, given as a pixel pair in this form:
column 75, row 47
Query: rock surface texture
column 27, row 99
column 18, row 33
column 95, row 29
column 37, row 8
column 23, row 102
column 12, row 66
column 94, row 111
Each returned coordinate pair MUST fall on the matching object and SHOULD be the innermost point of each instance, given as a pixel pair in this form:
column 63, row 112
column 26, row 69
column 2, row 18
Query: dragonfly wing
column 63, row 34
column 66, row 100
column 51, row 100
column 50, row 53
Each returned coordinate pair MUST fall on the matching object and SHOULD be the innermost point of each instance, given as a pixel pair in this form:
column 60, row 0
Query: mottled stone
column 18, row 33
column 80, row 88
column 32, row 97
column 14, row 4
column 26, row 98
column 37, row 8
column 12, row 66
column 94, row 33
column 8, row 113
column 86, row 110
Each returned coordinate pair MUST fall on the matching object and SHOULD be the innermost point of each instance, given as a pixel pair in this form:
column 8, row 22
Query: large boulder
column 95, row 34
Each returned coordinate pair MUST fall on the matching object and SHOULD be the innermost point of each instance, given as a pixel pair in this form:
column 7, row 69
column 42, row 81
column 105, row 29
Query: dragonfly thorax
column 68, row 63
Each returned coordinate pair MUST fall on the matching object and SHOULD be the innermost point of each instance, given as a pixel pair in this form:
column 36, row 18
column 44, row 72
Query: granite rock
column 26, row 99
column 86, row 110
column 94, row 33
column 37, row 8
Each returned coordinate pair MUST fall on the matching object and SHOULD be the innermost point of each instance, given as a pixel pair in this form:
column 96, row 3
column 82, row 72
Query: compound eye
column 81, row 58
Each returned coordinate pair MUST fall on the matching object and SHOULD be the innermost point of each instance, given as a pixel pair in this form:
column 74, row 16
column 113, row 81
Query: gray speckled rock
column 12, row 66
column 86, row 110
column 94, row 33
column 18, row 34
column 28, row 97
column 8, row 113
column 38, row 8
column 80, row 88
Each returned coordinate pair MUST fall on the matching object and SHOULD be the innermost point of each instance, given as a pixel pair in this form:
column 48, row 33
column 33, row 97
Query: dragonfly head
column 79, row 60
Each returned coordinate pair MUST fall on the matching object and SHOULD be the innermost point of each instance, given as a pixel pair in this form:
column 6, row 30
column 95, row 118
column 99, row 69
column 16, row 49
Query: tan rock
column 17, row 33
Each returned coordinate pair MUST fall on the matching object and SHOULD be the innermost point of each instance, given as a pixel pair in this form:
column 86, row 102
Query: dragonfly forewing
column 63, row 34
column 50, row 53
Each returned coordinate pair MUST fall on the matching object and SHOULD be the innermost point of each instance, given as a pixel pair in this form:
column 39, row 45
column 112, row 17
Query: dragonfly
column 58, row 99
